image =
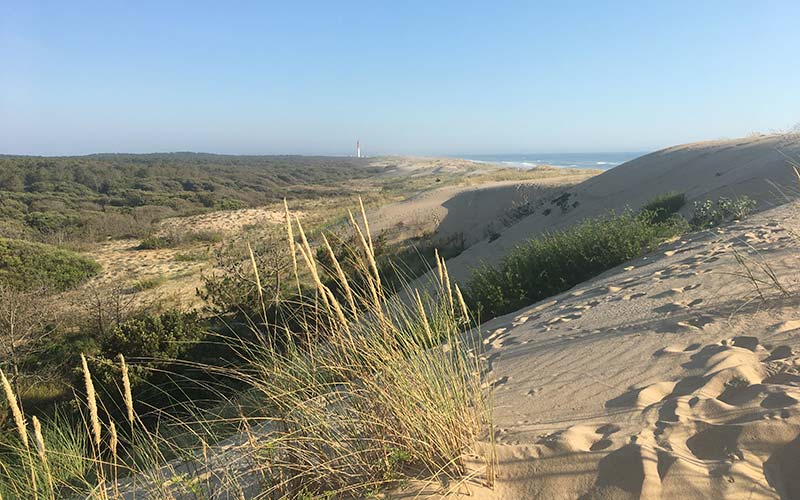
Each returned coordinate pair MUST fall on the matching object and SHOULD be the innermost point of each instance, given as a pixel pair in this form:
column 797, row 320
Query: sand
column 471, row 212
column 669, row 376
column 664, row 378
column 756, row 167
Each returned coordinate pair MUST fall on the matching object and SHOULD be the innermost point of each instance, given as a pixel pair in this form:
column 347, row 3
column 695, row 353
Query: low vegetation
column 665, row 206
column 26, row 265
column 173, row 239
column 708, row 214
column 557, row 261
column 363, row 392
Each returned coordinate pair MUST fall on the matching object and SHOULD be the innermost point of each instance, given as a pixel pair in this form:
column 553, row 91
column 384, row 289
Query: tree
column 24, row 326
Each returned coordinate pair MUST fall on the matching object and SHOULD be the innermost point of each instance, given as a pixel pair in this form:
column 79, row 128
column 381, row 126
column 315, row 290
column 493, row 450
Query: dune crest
column 757, row 167
column 666, row 377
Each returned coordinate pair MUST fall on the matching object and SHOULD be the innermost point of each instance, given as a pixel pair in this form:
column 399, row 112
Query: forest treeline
column 57, row 199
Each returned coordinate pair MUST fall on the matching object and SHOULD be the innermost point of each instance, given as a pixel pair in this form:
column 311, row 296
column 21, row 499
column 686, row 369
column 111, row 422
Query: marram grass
column 372, row 390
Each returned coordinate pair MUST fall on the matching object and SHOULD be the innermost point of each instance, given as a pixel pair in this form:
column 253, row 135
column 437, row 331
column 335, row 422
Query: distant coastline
column 602, row 161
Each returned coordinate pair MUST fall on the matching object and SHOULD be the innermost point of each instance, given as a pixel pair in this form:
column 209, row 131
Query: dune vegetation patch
column 711, row 213
column 357, row 393
column 25, row 264
column 557, row 261
column 664, row 206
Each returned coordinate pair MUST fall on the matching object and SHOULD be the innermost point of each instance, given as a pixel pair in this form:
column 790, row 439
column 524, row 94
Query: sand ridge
column 473, row 212
column 663, row 378
column 757, row 167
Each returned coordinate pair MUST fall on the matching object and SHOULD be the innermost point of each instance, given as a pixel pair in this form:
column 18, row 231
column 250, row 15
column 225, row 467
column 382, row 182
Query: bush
column 157, row 338
column 664, row 206
column 51, row 222
column 153, row 336
column 711, row 214
column 558, row 261
column 174, row 239
column 26, row 265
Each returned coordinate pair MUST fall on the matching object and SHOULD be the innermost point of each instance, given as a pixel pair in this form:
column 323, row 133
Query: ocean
column 603, row 161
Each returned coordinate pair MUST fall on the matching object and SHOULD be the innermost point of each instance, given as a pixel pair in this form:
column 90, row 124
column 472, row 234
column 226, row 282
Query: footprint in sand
column 500, row 382
column 519, row 320
column 676, row 291
column 494, row 335
column 676, row 349
column 542, row 307
column 605, row 431
column 786, row 326
column 780, row 352
column 503, row 342
column 580, row 438
column 633, row 296
column 566, row 318
column 669, row 308
column 697, row 323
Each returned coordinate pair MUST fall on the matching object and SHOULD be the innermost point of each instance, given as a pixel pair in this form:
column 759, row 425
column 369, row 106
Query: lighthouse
column 358, row 149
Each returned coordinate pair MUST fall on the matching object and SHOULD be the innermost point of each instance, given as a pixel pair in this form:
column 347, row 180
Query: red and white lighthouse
column 358, row 149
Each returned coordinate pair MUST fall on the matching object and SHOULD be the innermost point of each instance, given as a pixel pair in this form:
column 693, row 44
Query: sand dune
column 473, row 212
column 668, row 377
column 663, row 378
column 756, row 167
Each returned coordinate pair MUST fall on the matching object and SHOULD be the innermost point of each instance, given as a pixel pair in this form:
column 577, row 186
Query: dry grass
column 756, row 269
column 369, row 392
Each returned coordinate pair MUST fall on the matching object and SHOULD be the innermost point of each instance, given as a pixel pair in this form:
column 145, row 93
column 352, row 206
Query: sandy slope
column 668, row 377
column 663, row 378
column 751, row 166
column 470, row 211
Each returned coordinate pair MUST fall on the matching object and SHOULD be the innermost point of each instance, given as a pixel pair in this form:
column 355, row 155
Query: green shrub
column 664, row 206
column 229, row 204
column 153, row 336
column 148, row 283
column 709, row 214
column 27, row 265
column 50, row 222
column 557, row 261
column 174, row 239
column 191, row 257
column 157, row 338
column 153, row 243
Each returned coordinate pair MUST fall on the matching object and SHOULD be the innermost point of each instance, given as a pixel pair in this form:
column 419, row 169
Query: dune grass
column 665, row 206
column 370, row 391
column 555, row 262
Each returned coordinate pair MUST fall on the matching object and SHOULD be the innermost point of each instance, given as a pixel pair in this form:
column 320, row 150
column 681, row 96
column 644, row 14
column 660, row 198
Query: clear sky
column 410, row 77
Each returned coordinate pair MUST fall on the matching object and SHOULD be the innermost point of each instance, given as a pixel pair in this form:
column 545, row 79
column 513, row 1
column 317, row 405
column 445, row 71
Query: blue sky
column 409, row 77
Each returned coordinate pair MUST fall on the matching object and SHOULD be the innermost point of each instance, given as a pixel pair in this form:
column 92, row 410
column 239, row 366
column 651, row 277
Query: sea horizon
column 600, row 160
